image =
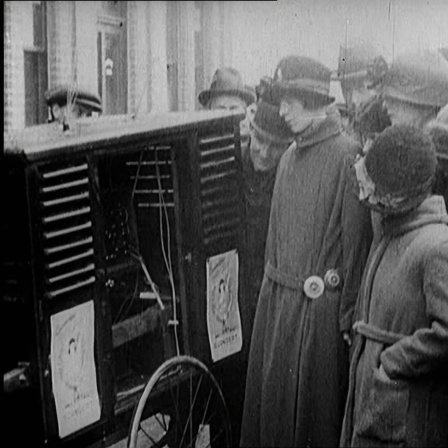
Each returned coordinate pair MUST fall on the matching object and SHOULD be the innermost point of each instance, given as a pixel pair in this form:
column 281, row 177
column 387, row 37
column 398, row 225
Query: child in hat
column 398, row 389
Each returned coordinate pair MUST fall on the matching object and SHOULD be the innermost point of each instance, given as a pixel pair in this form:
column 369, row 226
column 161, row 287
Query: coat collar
column 318, row 132
column 431, row 211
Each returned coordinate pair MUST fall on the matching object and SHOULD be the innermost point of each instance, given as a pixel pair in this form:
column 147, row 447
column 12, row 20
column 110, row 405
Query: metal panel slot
column 70, row 259
column 217, row 177
column 231, row 234
column 71, row 288
column 49, row 235
column 218, row 164
column 53, row 250
column 154, row 205
column 220, row 214
column 219, row 202
column 65, row 186
column 233, row 223
column 66, row 199
column 58, row 278
column 79, row 212
column 217, row 152
column 213, row 141
column 71, row 170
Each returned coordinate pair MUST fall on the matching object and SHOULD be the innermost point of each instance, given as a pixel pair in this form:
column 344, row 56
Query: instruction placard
column 223, row 314
column 73, row 371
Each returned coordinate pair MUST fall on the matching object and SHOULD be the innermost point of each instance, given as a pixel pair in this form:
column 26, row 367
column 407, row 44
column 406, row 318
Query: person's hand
column 347, row 338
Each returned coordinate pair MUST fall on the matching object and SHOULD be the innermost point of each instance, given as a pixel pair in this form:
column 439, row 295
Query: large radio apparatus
column 108, row 232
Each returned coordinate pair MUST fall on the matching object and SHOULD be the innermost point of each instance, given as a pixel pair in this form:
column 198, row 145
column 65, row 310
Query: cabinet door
column 212, row 239
column 68, row 296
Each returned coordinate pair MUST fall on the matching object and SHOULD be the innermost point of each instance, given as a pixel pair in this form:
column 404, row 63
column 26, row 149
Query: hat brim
column 358, row 75
column 246, row 95
column 80, row 97
column 280, row 89
column 392, row 92
column 265, row 134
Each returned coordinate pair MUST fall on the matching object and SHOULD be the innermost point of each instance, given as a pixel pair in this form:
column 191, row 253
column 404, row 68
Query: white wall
column 265, row 31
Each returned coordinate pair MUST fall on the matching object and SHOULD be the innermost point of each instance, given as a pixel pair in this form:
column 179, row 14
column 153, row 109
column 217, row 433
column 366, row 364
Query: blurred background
column 158, row 55
column 266, row 31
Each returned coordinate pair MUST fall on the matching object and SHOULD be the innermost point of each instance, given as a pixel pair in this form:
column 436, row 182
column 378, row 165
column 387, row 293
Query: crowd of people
column 347, row 310
column 345, row 317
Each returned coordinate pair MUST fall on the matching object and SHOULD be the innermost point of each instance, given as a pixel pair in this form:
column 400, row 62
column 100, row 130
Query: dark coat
column 298, row 362
column 258, row 188
column 403, row 326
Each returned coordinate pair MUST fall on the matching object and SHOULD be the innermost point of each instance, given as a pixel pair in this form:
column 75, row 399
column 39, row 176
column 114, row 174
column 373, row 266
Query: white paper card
column 73, row 371
column 223, row 314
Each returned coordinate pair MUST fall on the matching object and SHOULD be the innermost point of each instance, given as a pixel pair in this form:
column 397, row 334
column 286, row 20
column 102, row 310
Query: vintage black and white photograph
column 225, row 224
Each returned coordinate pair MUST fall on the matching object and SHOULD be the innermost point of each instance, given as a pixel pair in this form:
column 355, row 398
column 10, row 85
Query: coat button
column 313, row 287
column 332, row 278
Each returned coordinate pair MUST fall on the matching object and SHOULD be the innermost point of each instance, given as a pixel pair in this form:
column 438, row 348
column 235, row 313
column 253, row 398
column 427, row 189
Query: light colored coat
column 403, row 325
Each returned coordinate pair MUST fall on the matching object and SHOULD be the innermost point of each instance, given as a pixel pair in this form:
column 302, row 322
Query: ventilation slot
column 154, row 185
column 219, row 190
column 67, row 228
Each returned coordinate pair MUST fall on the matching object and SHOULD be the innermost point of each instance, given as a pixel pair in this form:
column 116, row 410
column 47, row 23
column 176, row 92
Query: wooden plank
column 152, row 319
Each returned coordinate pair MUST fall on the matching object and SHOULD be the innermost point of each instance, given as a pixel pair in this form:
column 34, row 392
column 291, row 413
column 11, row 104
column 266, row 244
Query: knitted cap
column 419, row 78
column 402, row 164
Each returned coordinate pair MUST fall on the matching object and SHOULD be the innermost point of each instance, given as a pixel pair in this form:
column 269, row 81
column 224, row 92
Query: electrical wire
column 137, row 174
column 167, row 261
column 131, row 301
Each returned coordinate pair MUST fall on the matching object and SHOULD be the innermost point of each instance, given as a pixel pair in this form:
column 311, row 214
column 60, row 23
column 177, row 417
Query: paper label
column 73, row 371
column 223, row 314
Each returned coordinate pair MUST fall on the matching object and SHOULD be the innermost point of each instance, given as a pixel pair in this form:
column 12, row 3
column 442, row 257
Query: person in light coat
column 398, row 386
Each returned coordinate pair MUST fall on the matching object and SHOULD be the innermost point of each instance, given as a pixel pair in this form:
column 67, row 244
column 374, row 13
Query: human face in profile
column 296, row 116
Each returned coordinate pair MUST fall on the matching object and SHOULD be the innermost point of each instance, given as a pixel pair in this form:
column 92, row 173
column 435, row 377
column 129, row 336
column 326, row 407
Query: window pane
column 31, row 88
column 38, row 26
